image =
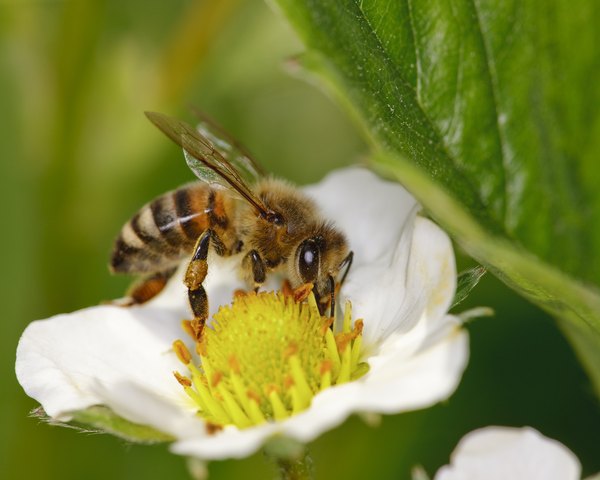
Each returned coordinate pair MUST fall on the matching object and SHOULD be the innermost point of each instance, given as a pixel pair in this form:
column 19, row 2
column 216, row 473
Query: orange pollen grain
column 186, row 325
column 271, row 388
column 201, row 348
column 326, row 366
column 291, row 349
column 286, row 288
column 327, row 323
column 183, row 381
column 252, row 395
column 216, row 379
column 197, row 328
column 288, row 381
column 212, row 428
column 234, row 364
column 358, row 327
column 342, row 340
column 182, row 352
column 302, row 292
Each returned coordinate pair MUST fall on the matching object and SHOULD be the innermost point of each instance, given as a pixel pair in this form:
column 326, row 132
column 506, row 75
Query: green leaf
column 487, row 111
column 100, row 419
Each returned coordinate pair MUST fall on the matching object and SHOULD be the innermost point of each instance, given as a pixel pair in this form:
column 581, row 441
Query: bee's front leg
column 195, row 275
column 254, row 263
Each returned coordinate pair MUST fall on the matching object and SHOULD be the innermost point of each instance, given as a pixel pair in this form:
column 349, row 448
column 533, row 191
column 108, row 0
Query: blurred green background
column 79, row 157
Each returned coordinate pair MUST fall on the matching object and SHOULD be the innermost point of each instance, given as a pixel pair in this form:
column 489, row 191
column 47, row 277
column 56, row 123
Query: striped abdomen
column 163, row 232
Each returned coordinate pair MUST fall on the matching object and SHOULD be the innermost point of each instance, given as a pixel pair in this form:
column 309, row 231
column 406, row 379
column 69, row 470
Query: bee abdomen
column 163, row 231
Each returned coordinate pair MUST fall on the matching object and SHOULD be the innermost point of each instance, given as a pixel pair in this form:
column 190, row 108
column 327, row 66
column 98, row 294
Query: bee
column 235, row 209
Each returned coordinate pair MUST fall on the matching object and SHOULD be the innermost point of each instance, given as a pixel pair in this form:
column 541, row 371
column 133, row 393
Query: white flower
column 500, row 453
column 401, row 283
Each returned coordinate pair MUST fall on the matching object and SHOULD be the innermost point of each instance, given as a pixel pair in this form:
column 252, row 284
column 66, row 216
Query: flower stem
column 300, row 468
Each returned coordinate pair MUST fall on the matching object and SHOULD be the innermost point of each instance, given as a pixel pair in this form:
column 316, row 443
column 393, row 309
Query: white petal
column 139, row 404
column 403, row 266
column 416, row 283
column 391, row 386
column 62, row 360
column 231, row 442
column 498, row 453
column 400, row 382
column 107, row 354
column 370, row 211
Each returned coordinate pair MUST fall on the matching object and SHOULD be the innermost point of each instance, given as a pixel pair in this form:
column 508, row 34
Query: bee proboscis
column 235, row 210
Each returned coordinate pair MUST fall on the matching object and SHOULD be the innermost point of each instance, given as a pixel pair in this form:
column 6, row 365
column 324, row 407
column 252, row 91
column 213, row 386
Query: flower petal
column 62, row 360
column 231, row 442
column 391, row 386
column 394, row 251
column 416, row 283
column 370, row 211
column 103, row 354
column 517, row 453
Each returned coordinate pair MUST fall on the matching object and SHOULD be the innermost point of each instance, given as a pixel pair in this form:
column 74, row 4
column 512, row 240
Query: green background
column 78, row 158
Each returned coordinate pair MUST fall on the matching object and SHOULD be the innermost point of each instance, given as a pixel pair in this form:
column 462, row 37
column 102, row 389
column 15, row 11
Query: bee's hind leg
column 195, row 275
column 145, row 288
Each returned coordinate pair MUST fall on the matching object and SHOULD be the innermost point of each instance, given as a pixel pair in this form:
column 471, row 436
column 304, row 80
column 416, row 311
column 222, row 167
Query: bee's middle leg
column 195, row 275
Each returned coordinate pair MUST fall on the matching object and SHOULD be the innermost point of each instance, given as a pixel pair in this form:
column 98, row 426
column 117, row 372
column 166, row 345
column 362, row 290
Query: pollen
column 265, row 357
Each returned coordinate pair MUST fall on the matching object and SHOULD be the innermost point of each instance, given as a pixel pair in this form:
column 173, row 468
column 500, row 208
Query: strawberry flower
column 393, row 347
column 517, row 453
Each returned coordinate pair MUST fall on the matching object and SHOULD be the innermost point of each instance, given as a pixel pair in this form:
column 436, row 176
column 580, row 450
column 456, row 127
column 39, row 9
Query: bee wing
column 205, row 159
column 231, row 149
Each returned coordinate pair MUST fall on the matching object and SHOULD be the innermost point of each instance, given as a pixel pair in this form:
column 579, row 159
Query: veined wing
column 231, row 149
column 205, row 159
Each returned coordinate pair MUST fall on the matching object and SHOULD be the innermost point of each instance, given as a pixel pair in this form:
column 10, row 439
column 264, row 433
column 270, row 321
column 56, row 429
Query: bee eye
column 308, row 260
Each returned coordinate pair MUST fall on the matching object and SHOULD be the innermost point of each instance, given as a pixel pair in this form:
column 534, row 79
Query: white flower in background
column 502, row 453
column 410, row 353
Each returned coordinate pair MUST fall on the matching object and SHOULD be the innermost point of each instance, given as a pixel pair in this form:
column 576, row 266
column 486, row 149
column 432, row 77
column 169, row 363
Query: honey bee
column 235, row 209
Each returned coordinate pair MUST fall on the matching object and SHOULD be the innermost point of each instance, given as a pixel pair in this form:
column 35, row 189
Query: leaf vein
column 418, row 65
column 437, row 134
column 493, row 82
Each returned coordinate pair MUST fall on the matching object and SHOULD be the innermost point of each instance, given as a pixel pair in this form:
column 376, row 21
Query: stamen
column 279, row 410
column 266, row 356
column 182, row 352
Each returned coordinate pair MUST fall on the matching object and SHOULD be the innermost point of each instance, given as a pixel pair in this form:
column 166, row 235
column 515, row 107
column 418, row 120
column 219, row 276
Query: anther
column 243, row 382
column 212, row 428
column 234, row 365
column 182, row 352
column 302, row 292
column 183, row 381
column 216, row 379
column 187, row 328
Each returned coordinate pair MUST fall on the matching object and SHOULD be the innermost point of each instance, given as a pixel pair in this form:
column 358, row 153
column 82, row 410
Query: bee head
column 319, row 259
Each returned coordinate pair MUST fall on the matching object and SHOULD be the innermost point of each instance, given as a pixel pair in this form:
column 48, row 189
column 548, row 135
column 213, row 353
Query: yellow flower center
column 265, row 357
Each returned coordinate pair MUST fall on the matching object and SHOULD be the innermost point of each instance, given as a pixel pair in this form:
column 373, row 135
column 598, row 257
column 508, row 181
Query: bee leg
column 347, row 262
column 148, row 287
column 335, row 288
column 332, row 297
column 256, row 265
column 195, row 275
